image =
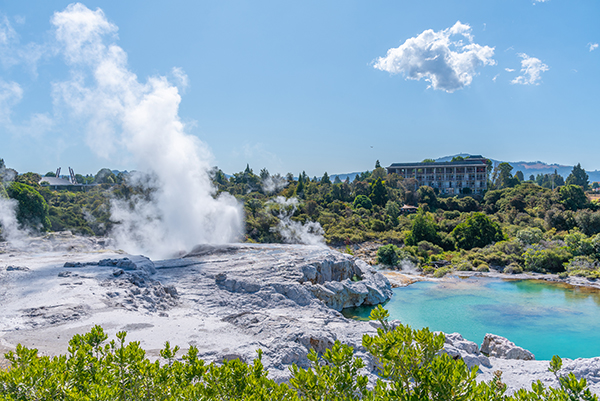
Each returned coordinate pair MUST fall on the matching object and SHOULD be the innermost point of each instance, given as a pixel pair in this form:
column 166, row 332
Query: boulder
column 457, row 347
column 500, row 347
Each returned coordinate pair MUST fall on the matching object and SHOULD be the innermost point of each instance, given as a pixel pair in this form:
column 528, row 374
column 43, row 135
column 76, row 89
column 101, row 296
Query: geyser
column 120, row 112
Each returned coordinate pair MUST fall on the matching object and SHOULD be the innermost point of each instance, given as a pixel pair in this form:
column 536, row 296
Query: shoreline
column 401, row 278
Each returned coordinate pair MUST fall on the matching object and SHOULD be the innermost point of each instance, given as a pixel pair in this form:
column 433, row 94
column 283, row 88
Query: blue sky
column 313, row 85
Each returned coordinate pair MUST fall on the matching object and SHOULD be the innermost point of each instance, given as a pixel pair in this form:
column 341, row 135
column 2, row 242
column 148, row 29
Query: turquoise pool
column 547, row 319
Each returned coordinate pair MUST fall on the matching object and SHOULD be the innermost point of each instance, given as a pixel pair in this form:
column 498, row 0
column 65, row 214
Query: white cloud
column 447, row 64
column 593, row 46
column 540, row 1
column 7, row 32
column 12, row 52
column 509, row 69
column 531, row 70
column 181, row 78
column 37, row 126
column 11, row 93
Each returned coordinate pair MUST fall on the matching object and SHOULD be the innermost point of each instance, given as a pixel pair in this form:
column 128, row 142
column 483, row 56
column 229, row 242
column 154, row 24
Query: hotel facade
column 448, row 177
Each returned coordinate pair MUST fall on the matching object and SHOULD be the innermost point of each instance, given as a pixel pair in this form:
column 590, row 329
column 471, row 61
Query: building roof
column 477, row 162
column 53, row 181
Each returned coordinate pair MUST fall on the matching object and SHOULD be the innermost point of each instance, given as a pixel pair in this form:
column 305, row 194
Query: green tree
column 105, row 176
column 33, row 209
column 31, row 179
column 504, row 177
column 427, row 195
column 325, row 179
column 387, row 255
column 477, row 231
column 573, row 197
column 300, row 186
column 428, row 161
column 423, row 228
column 362, row 201
column 457, row 159
column 519, row 176
column 378, row 193
column 579, row 177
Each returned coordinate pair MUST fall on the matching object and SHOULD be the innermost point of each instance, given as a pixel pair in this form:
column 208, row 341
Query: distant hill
column 535, row 168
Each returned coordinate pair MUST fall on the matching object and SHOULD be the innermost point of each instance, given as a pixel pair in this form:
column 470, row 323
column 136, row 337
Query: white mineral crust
column 228, row 301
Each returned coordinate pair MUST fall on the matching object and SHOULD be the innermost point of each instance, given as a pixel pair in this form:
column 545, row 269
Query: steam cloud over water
column 294, row 232
column 123, row 113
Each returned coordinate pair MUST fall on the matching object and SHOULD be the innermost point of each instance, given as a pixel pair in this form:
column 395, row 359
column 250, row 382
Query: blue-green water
column 547, row 319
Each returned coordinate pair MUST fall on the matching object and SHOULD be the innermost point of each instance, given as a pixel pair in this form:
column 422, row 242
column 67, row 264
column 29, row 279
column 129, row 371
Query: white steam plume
column 274, row 183
column 122, row 112
column 294, row 232
column 9, row 226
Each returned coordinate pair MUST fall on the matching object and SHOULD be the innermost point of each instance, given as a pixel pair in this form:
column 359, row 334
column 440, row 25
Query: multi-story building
column 447, row 177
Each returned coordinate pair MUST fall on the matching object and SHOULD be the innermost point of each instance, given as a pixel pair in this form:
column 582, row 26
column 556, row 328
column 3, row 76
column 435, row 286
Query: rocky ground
column 228, row 301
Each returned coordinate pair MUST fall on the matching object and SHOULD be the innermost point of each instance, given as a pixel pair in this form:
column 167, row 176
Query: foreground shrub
column 410, row 364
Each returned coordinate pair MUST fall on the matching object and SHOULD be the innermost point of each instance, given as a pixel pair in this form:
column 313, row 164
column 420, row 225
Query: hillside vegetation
column 545, row 224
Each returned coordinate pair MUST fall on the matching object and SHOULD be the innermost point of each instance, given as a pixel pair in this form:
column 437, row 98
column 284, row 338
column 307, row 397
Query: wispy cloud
column 181, row 78
column 437, row 57
column 12, row 52
column 509, row 69
column 11, row 93
column 531, row 70
column 593, row 46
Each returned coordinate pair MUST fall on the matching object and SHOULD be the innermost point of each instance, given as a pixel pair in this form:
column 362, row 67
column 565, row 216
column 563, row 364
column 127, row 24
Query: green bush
column 387, row 255
column 546, row 260
column 410, row 364
column 32, row 211
column 362, row 201
column 441, row 272
column 464, row 266
column 513, row 268
column 483, row 267
column 477, row 231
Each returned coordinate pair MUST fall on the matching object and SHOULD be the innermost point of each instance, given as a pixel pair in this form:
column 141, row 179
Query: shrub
column 33, row 209
column 387, row 255
column 513, row 268
column 362, row 201
column 428, row 269
column 546, row 260
column 409, row 361
column 477, row 231
column 582, row 263
column 483, row 267
column 530, row 236
column 463, row 265
column 441, row 272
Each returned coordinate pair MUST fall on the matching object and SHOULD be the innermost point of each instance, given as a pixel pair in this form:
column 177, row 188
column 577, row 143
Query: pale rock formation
column 500, row 347
column 228, row 301
column 456, row 346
